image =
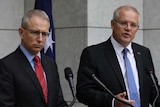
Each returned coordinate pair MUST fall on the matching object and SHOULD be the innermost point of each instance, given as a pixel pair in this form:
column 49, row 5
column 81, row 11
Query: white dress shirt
column 118, row 49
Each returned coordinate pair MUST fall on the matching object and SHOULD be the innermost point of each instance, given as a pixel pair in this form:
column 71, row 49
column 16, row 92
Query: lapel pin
column 138, row 53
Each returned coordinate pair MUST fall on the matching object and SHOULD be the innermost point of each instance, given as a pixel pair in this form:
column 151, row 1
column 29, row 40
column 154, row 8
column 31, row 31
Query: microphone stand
column 154, row 82
column 69, row 77
column 90, row 74
column 73, row 101
column 106, row 89
column 74, row 97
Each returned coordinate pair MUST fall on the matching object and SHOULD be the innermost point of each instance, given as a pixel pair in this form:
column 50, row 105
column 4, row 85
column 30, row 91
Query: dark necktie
column 40, row 75
column 130, row 80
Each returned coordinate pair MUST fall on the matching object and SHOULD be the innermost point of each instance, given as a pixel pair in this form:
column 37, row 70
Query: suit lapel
column 139, row 65
column 111, row 56
column 49, row 76
column 23, row 62
column 46, row 70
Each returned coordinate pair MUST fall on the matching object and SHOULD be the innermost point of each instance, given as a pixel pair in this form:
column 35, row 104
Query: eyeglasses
column 37, row 32
column 125, row 23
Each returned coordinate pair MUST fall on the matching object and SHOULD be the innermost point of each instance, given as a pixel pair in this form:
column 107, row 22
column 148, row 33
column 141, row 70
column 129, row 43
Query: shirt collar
column 119, row 48
column 28, row 55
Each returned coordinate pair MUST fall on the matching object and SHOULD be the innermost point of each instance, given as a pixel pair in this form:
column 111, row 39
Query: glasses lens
column 125, row 23
column 37, row 32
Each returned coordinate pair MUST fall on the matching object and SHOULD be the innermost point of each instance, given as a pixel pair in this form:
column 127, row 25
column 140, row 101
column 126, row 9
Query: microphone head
column 68, row 72
column 149, row 70
column 88, row 72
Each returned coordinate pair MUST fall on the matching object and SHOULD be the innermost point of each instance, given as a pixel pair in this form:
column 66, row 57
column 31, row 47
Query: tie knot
column 36, row 58
column 125, row 50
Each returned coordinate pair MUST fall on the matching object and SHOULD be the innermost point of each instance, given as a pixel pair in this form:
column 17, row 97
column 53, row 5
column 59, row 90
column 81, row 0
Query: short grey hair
column 31, row 13
column 126, row 7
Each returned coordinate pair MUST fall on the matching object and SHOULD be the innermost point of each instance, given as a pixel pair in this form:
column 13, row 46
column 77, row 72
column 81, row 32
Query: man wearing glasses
column 27, row 77
column 120, row 64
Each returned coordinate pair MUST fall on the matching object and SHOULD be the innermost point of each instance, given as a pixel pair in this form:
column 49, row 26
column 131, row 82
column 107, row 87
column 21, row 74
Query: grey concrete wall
column 78, row 24
column 151, row 23
column 70, row 19
column 11, row 13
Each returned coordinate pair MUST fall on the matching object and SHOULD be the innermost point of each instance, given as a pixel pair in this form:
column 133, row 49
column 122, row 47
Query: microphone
column 150, row 71
column 69, row 77
column 89, row 73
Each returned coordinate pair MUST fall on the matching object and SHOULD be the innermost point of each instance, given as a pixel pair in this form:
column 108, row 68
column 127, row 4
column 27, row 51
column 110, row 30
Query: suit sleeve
column 154, row 93
column 54, row 87
column 88, row 92
column 59, row 98
column 7, row 96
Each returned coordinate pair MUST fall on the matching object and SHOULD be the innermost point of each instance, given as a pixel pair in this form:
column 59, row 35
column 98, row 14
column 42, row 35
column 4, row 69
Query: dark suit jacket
column 19, row 86
column 102, row 60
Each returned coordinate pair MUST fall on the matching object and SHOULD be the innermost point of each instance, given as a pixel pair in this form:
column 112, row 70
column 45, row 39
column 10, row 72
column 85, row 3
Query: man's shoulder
column 98, row 45
column 12, row 55
column 139, row 47
column 47, row 58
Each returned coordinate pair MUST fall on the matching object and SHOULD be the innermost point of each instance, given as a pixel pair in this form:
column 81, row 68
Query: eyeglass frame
column 37, row 32
column 125, row 23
